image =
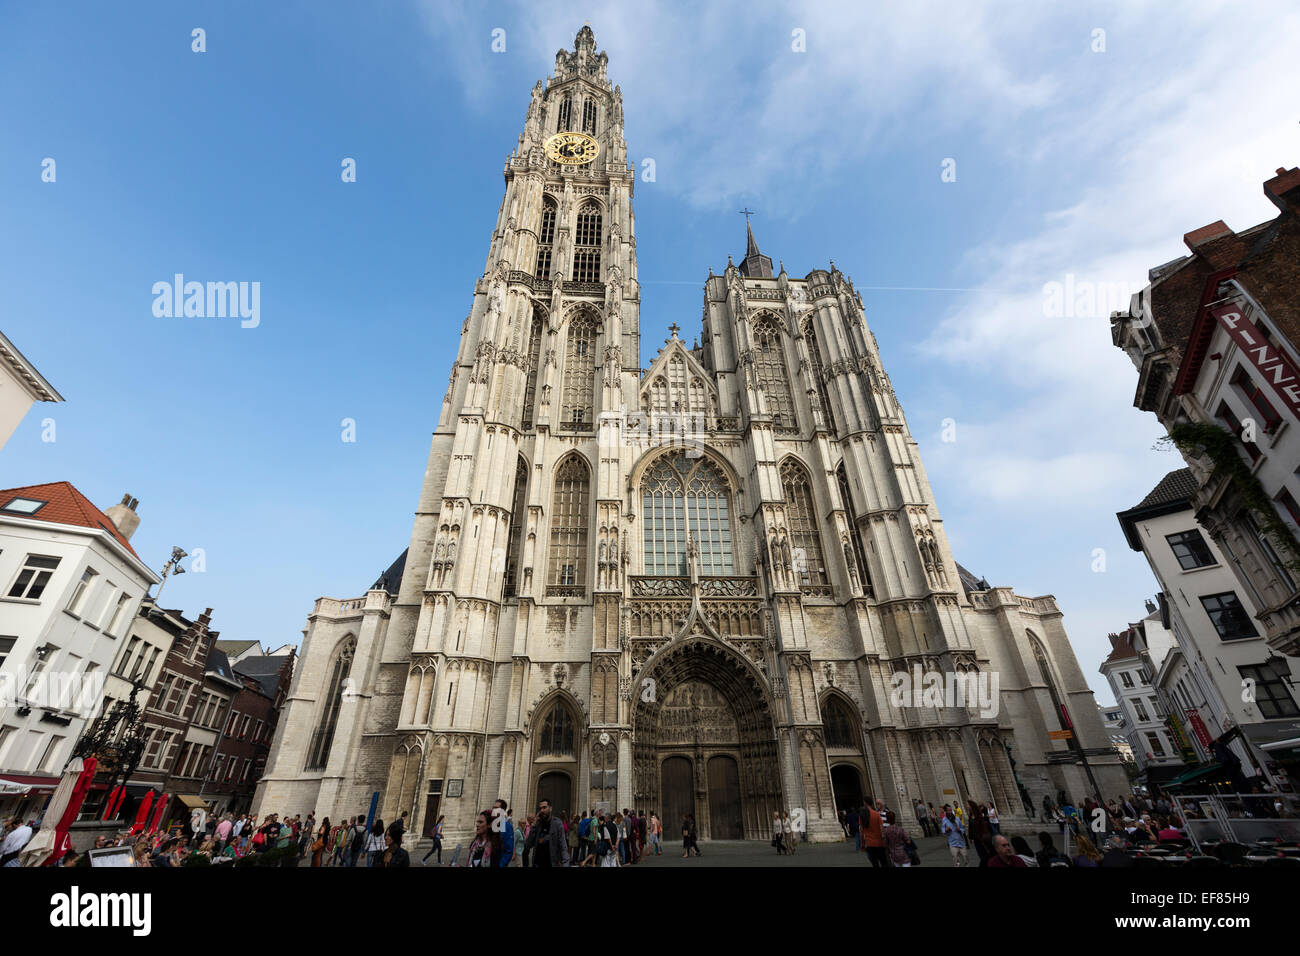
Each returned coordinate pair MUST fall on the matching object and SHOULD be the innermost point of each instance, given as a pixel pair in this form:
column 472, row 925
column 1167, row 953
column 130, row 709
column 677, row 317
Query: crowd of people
column 1097, row 834
column 230, row 838
column 548, row 838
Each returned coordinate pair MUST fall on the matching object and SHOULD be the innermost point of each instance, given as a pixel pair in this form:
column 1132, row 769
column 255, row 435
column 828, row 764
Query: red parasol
column 157, row 815
column 114, row 798
column 75, row 799
column 142, row 815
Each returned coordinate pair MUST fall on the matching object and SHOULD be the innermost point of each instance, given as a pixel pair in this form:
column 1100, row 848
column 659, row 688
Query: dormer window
column 24, row 506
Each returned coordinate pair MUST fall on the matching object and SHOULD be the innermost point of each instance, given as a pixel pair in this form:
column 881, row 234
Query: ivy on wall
column 1199, row 439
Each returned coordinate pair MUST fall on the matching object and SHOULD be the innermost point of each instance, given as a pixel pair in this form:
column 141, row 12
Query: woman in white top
column 791, row 838
column 993, row 820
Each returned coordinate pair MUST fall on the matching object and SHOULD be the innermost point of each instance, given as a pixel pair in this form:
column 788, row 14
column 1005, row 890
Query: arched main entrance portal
column 704, row 742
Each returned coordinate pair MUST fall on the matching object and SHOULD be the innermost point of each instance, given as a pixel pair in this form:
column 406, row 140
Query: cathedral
column 693, row 588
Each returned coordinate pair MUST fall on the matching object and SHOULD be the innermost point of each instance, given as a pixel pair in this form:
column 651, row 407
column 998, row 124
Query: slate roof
column 970, row 582
column 1176, row 486
column 264, row 670
column 391, row 580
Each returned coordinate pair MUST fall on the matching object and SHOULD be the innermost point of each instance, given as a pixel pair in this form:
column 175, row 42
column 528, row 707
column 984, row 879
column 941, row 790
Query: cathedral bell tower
column 504, row 554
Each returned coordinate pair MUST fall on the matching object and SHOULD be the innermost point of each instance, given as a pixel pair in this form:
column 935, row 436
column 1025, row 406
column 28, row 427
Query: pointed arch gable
column 676, row 348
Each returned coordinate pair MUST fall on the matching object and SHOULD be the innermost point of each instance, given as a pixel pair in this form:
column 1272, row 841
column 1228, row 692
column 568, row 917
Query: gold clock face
column 572, row 149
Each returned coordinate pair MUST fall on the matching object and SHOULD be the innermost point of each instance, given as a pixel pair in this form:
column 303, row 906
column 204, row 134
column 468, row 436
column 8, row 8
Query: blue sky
column 225, row 166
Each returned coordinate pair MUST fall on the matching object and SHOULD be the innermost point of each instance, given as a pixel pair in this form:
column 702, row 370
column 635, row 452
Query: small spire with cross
column 674, row 329
column 747, row 212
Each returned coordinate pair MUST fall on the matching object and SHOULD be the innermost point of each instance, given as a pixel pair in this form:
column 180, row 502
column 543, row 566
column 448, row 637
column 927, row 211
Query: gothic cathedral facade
column 689, row 589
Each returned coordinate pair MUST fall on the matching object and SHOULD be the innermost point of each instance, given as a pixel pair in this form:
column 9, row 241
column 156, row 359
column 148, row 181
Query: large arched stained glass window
column 769, row 367
column 557, row 736
column 323, row 737
column 840, row 723
column 805, row 538
column 567, row 564
column 683, row 496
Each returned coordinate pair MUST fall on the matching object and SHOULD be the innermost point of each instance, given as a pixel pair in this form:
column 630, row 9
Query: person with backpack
column 606, row 841
column 356, row 840
column 437, row 841
column 871, row 834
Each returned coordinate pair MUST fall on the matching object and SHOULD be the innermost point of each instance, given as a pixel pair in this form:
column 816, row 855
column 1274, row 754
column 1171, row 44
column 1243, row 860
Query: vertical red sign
column 1272, row 364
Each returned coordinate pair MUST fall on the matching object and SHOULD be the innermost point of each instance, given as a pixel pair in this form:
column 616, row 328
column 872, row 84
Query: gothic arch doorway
column 557, row 787
column 704, row 741
column 846, row 782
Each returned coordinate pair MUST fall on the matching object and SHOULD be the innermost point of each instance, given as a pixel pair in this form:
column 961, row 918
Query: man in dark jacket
column 546, row 839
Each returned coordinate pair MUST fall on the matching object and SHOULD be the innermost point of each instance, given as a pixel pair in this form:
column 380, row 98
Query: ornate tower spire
column 756, row 265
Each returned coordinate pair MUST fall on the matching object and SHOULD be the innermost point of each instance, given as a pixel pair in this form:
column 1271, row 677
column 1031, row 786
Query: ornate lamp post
column 115, row 739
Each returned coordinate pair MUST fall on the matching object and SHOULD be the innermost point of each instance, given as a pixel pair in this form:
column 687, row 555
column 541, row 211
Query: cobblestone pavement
column 933, row 852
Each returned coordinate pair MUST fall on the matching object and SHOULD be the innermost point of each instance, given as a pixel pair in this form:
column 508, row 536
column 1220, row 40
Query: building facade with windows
column 693, row 588
column 1155, row 749
column 1222, row 684
column 71, row 586
column 175, row 746
column 1215, row 337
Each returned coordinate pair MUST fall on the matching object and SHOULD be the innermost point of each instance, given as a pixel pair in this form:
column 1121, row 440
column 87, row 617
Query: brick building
column 1214, row 337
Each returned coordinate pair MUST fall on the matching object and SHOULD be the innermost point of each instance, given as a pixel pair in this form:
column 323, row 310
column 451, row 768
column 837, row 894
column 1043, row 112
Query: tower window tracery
column 805, row 537
column 567, row 562
column 545, row 239
column 587, row 239
column 769, row 367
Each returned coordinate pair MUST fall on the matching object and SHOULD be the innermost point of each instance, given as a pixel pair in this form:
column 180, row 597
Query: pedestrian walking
column 375, row 844
column 504, row 826
column 791, row 837
column 956, row 834
column 437, row 841
column 606, row 841
column 871, row 835
column 896, row 841
column 320, row 842
column 922, row 817
column 778, row 833
column 656, row 831
column 547, row 839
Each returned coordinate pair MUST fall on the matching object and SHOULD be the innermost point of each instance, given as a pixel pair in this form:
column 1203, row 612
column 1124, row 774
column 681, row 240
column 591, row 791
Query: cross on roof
column 674, row 329
column 747, row 212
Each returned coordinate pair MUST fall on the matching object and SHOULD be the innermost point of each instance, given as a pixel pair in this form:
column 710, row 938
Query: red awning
column 35, row 781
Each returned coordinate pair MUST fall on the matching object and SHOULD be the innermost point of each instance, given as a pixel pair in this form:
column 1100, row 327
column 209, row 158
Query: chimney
column 123, row 516
column 1281, row 190
column 1215, row 230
